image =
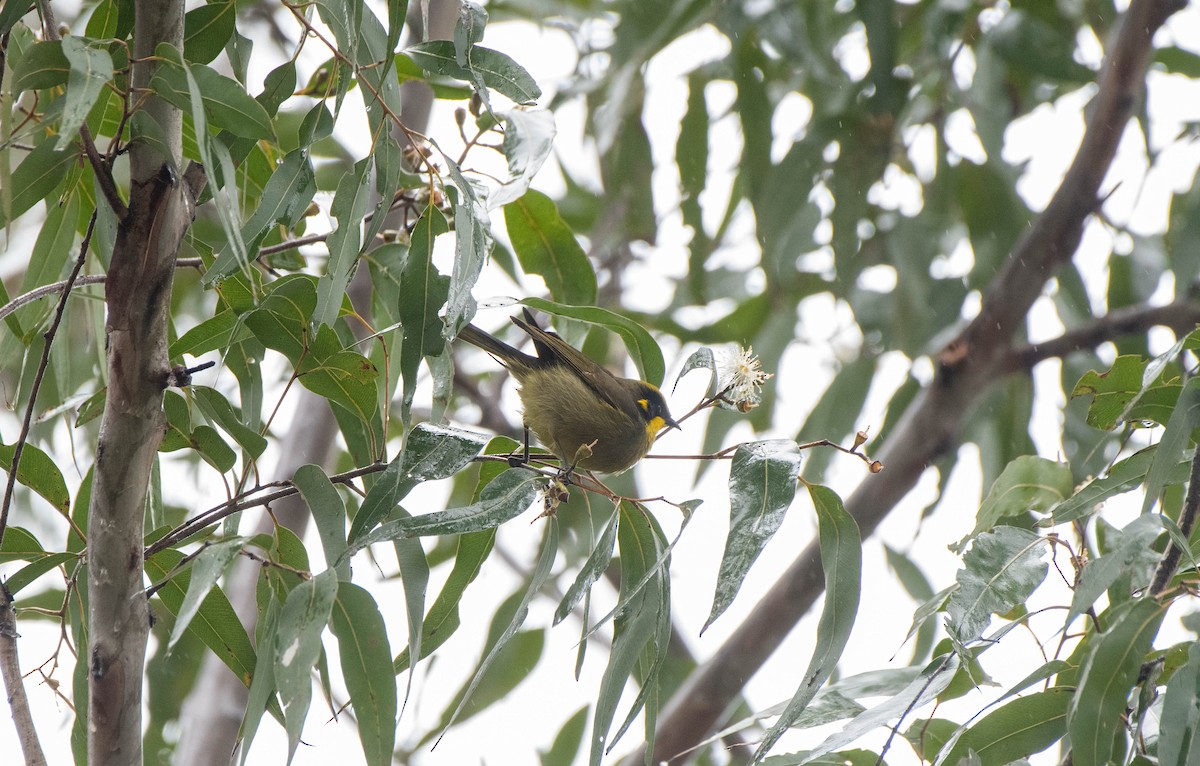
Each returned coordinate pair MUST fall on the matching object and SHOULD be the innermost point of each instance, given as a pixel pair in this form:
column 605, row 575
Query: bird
column 588, row 417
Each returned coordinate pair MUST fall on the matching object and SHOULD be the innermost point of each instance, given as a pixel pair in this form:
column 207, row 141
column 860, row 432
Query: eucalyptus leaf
column 762, row 485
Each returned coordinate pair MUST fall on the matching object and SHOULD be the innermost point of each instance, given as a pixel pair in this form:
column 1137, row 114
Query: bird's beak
column 671, row 424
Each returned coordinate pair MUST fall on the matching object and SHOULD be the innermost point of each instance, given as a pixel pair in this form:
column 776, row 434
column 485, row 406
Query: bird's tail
column 506, row 354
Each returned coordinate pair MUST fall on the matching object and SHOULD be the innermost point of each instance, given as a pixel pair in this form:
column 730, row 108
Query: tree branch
column 1182, row 316
column 57, row 287
column 1187, row 522
column 967, row 367
column 10, row 668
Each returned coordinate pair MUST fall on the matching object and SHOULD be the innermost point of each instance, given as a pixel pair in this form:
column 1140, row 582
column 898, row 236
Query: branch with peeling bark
column 967, row 367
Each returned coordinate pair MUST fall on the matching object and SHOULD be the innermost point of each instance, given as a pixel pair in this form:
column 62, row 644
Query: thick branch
column 929, row 427
column 1182, row 316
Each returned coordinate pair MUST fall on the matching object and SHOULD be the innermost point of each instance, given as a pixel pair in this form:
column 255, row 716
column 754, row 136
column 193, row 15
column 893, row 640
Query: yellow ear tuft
column 644, row 404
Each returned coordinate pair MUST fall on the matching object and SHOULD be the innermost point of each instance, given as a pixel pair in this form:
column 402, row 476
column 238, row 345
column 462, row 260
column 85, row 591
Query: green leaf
column 537, row 579
column 595, row 566
column 20, row 545
column 53, row 247
column 442, row 620
column 431, row 452
column 214, row 450
column 43, row 66
column 207, row 569
column 1016, row 730
column 345, row 377
column 762, row 485
column 639, row 541
column 1179, row 730
column 841, row 559
column 509, row 495
column 1126, row 393
column 473, row 549
column 91, row 70
column 350, row 204
column 923, row 689
column 217, row 408
column 646, row 354
column 511, row 665
column 1110, row 672
column 700, row 359
column 563, row 750
column 207, row 29
column 11, row 13
column 301, row 623
column 38, row 472
column 1002, row 569
column 36, row 178
column 1133, row 558
column 1126, row 475
column 225, row 102
column 363, row 648
column 214, row 623
column 414, row 575
column 328, row 512
column 496, row 70
column 281, row 321
column 211, row 334
column 285, row 197
column 472, row 243
column 262, row 684
column 546, row 246
column 423, row 292
column 1173, row 444
column 1028, row 483
column 468, row 31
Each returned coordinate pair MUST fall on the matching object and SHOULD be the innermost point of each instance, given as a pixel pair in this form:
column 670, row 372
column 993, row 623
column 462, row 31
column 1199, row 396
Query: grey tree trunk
column 138, row 294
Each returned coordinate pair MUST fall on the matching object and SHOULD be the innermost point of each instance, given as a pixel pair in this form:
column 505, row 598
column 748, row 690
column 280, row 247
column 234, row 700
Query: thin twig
column 241, row 502
column 41, row 373
column 1187, row 521
column 57, row 287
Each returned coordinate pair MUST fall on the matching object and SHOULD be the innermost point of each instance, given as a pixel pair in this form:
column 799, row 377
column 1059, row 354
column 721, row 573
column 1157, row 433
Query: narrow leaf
column 215, row 623
column 91, row 70
column 301, row 623
column 536, row 580
column 762, row 484
column 1179, row 731
column 1107, row 677
column 363, row 649
column 38, row 472
column 431, row 452
column 841, row 558
column 328, row 512
column 507, row 497
column 208, row 568
column 546, row 246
